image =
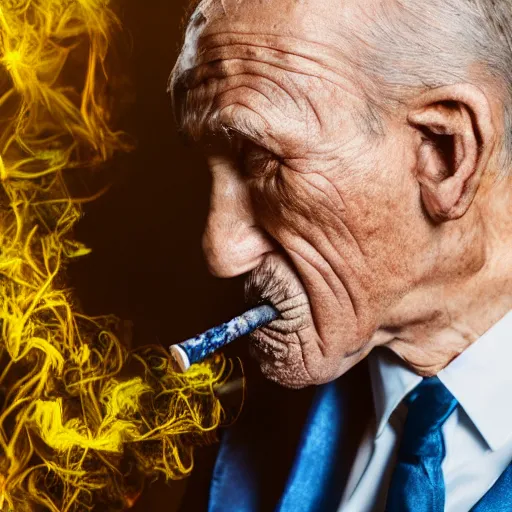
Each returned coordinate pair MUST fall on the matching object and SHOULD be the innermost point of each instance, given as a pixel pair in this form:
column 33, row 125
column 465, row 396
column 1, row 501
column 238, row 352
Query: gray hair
column 415, row 44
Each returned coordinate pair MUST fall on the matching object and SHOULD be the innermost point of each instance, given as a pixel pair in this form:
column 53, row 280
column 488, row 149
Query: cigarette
column 201, row 346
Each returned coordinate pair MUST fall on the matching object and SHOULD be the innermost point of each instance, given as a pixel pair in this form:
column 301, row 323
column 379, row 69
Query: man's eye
column 255, row 161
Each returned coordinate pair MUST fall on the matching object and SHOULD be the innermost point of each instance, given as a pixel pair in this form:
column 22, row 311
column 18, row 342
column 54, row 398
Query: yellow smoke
column 75, row 430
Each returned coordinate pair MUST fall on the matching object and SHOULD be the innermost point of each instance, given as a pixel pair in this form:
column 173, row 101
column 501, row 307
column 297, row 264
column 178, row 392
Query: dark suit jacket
column 268, row 431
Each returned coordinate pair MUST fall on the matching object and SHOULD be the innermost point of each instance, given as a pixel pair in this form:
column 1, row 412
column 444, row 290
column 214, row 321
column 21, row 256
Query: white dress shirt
column 477, row 435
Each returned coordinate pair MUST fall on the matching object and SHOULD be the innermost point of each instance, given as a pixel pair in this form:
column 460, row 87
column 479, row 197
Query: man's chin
column 290, row 370
column 290, row 373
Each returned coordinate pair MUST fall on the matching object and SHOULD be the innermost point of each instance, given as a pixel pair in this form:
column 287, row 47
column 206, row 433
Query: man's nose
column 233, row 244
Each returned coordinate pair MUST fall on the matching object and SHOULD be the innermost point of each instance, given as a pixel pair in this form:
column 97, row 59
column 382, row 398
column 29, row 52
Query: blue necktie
column 417, row 484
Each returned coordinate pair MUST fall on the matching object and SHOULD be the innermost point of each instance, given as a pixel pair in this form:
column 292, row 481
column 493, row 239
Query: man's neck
column 438, row 322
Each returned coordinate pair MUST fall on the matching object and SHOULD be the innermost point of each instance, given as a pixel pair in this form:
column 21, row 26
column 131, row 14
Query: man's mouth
column 275, row 283
column 273, row 340
column 294, row 313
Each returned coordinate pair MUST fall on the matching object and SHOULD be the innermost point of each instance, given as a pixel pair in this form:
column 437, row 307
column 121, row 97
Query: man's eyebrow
column 206, row 133
column 200, row 127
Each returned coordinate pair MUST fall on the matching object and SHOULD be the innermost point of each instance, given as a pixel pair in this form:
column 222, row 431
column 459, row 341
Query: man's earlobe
column 458, row 137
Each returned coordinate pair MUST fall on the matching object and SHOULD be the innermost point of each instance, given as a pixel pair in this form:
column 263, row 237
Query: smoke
column 78, row 428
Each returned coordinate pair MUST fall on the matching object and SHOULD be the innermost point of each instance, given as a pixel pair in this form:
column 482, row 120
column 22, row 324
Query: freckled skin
column 334, row 214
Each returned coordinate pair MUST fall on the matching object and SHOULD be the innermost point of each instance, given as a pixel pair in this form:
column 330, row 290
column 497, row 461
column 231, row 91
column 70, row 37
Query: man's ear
column 458, row 139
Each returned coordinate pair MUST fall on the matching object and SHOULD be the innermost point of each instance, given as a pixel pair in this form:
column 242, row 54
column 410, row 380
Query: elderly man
column 360, row 155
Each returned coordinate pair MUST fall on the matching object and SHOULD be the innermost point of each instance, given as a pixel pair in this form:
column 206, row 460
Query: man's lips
column 276, row 283
column 294, row 313
column 272, row 340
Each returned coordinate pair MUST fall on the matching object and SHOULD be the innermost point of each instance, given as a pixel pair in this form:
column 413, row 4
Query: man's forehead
column 278, row 15
column 233, row 7
column 300, row 27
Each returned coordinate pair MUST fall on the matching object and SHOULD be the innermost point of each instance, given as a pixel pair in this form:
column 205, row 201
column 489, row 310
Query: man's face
column 323, row 214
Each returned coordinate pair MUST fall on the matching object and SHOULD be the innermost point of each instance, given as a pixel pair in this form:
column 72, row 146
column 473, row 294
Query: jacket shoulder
column 267, row 433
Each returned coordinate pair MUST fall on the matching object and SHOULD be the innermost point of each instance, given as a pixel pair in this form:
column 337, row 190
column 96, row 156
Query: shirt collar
column 480, row 379
column 391, row 382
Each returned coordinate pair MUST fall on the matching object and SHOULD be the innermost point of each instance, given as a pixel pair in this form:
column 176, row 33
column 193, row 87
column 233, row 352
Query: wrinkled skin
column 333, row 222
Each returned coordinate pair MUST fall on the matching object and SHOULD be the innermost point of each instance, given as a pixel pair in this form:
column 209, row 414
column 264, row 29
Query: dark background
column 146, row 265
column 145, row 232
